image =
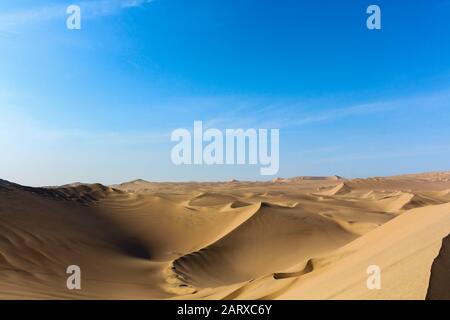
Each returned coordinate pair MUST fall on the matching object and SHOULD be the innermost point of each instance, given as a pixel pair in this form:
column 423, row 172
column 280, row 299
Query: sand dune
column 439, row 286
column 295, row 238
column 342, row 188
column 290, row 234
column 403, row 248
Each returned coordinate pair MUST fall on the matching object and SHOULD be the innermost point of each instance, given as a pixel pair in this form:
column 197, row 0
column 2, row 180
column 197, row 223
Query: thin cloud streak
column 269, row 117
column 90, row 9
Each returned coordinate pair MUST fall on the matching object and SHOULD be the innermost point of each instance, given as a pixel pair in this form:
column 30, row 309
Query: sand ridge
column 286, row 239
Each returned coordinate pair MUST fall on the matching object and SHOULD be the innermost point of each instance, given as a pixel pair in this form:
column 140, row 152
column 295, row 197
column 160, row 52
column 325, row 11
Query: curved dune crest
column 419, row 200
column 340, row 189
column 401, row 201
column 289, row 234
column 404, row 248
column 211, row 199
column 170, row 229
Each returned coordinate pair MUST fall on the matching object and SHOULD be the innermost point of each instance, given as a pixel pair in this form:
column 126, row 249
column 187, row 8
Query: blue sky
column 99, row 104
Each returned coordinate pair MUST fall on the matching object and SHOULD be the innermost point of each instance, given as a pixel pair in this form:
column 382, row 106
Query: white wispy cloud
column 107, row 7
column 10, row 21
column 406, row 104
column 293, row 114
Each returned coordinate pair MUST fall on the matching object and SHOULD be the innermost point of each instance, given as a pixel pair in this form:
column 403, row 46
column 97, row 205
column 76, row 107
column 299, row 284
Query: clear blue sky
column 98, row 104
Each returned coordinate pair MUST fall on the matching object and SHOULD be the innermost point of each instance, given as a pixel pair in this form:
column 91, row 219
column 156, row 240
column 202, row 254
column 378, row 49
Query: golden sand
column 298, row 238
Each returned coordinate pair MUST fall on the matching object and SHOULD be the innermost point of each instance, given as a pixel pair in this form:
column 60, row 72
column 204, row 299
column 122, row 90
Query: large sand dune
column 297, row 238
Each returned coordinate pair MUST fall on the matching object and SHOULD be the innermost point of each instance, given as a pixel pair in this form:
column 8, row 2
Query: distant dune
column 290, row 238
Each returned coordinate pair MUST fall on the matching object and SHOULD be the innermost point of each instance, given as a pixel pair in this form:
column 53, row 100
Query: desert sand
column 296, row 238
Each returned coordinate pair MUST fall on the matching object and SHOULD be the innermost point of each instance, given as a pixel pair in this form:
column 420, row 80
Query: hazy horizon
column 258, row 179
